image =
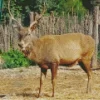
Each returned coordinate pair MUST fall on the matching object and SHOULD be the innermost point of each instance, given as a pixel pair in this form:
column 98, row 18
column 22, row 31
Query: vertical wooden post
column 95, row 34
column 90, row 25
column 31, row 17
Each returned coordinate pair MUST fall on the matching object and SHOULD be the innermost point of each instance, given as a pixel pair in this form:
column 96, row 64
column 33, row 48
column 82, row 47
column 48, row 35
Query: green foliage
column 98, row 52
column 72, row 7
column 16, row 9
column 99, row 55
column 15, row 58
column 62, row 6
column 21, row 8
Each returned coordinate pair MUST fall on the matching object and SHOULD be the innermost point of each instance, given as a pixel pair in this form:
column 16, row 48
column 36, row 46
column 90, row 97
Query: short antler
column 41, row 15
column 32, row 25
column 12, row 17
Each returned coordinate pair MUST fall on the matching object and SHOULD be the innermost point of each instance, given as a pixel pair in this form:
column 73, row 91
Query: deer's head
column 25, row 33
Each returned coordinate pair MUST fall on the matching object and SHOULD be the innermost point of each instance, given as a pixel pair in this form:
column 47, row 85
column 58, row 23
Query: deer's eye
column 28, row 34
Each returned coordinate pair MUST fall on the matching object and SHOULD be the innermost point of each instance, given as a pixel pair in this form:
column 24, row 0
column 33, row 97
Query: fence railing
column 47, row 25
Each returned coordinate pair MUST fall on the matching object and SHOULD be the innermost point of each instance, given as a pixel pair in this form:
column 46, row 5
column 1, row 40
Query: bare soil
column 71, row 84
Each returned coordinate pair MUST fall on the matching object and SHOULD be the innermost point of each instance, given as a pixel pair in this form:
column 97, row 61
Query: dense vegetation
column 15, row 58
column 21, row 8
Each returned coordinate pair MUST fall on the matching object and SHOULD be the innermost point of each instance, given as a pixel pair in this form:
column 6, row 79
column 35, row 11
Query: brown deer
column 50, row 51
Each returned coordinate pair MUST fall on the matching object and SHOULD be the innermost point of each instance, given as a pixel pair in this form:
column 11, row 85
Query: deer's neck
column 35, row 54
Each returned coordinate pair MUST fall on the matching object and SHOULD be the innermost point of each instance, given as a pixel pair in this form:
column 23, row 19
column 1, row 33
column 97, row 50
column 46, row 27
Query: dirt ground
column 71, row 83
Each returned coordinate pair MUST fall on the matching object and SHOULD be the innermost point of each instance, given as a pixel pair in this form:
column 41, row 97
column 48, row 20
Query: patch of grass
column 15, row 58
column 99, row 55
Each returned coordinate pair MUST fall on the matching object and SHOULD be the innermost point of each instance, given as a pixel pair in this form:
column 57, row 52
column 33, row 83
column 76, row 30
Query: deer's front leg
column 43, row 72
column 54, row 67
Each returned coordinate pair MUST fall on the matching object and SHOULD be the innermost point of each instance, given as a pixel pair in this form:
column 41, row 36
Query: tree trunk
column 95, row 34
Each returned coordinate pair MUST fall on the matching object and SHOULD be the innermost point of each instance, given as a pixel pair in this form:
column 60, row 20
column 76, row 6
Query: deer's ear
column 17, row 27
column 33, row 26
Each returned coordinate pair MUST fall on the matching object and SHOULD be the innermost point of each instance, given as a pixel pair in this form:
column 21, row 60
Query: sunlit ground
column 23, row 84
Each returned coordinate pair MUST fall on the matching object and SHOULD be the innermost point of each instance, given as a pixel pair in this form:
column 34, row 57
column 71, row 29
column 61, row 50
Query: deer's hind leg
column 86, row 66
